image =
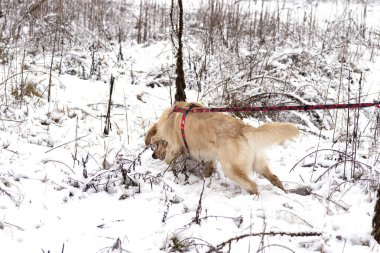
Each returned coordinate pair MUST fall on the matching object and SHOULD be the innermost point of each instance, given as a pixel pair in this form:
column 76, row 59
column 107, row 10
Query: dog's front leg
column 172, row 153
column 209, row 168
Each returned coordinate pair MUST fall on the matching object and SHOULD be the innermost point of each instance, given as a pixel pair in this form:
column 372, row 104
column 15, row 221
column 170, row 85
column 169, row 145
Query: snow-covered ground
column 67, row 187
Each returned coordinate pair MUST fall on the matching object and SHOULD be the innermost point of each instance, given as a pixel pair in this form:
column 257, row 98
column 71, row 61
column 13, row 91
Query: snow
column 47, row 204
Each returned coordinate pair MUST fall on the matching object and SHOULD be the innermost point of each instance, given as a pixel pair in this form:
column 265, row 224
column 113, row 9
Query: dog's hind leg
column 240, row 176
column 260, row 166
column 272, row 178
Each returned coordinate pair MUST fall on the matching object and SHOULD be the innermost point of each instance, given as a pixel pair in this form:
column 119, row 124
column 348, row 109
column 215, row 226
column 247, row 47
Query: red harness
column 183, row 120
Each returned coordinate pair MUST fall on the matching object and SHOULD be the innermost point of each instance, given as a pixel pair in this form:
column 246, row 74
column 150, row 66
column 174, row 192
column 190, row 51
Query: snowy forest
column 81, row 82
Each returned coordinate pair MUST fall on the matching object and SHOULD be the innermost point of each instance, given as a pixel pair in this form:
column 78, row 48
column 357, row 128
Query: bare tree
column 376, row 219
column 180, row 78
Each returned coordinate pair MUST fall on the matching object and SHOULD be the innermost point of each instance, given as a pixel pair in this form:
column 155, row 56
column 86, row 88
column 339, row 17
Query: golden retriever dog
column 160, row 146
column 240, row 148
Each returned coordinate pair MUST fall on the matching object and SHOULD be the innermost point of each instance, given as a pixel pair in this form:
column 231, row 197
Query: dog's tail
column 271, row 134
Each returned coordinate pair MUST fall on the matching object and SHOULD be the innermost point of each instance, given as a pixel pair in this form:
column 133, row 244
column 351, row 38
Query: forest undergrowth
column 236, row 53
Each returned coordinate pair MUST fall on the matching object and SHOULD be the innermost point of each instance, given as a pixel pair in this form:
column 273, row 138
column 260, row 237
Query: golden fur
column 240, row 148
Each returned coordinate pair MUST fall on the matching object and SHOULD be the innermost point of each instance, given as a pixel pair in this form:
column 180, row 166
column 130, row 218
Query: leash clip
column 377, row 103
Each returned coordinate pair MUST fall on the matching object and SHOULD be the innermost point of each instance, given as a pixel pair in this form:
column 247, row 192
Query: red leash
column 277, row 108
column 194, row 109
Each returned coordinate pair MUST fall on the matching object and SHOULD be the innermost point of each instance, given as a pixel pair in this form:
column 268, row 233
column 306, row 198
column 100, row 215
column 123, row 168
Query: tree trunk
column 376, row 219
column 180, row 79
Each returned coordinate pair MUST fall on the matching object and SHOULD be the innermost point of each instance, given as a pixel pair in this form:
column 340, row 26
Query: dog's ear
column 151, row 132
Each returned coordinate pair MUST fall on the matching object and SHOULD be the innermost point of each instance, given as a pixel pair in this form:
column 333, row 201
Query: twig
column 336, row 203
column 338, row 163
column 28, row 71
column 107, row 126
column 191, row 241
column 56, row 161
column 13, row 225
column 316, row 151
column 12, row 151
column 237, row 220
column 293, row 214
column 67, row 143
column 349, row 181
column 75, row 155
column 152, row 179
column 197, row 220
column 11, row 120
column 7, row 194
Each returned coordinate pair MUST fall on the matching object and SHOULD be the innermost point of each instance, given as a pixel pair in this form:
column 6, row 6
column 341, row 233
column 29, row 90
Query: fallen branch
column 272, row 233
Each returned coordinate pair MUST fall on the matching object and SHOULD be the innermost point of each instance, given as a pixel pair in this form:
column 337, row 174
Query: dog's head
column 158, row 146
column 159, row 149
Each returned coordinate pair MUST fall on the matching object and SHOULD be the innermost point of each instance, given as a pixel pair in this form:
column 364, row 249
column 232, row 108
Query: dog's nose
column 154, row 156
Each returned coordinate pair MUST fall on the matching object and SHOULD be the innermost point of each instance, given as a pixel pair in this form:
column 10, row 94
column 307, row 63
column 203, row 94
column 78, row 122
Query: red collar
column 183, row 129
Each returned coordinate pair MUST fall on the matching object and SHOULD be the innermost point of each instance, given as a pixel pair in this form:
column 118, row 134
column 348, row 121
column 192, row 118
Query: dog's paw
column 208, row 171
column 253, row 191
